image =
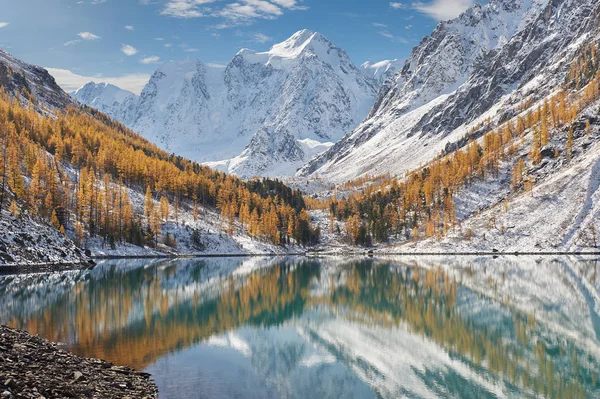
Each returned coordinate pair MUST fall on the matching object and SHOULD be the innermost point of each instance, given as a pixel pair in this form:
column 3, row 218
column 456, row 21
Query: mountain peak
column 265, row 113
column 103, row 96
column 95, row 86
column 299, row 41
column 303, row 35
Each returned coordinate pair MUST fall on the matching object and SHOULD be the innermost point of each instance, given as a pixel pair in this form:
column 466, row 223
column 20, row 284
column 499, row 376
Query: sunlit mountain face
column 291, row 327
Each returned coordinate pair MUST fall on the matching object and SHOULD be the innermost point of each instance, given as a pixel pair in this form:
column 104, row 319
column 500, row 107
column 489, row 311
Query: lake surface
column 411, row 327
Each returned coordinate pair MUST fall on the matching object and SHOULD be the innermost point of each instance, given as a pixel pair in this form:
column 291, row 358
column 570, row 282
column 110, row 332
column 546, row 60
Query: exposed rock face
column 20, row 78
column 250, row 117
column 31, row 367
column 468, row 67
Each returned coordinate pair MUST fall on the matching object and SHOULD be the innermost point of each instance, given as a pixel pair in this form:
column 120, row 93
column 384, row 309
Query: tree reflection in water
column 135, row 313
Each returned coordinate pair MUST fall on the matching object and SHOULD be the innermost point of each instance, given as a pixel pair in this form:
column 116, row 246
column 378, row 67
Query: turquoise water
column 329, row 328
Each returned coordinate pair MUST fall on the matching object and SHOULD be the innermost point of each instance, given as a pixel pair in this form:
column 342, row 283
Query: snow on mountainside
column 30, row 240
column 106, row 98
column 467, row 69
column 382, row 70
column 567, row 189
column 18, row 77
column 263, row 114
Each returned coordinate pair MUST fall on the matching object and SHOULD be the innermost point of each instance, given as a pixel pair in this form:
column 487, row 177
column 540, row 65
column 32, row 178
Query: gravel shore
column 31, row 367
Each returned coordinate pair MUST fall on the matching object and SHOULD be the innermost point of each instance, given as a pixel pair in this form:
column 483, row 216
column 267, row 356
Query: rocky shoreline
column 31, row 367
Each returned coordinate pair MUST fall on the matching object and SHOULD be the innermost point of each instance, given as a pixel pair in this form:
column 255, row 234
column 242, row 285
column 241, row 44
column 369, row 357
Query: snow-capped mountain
column 382, row 70
column 469, row 69
column 18, row 77
column 107, row 98
column 263, row 114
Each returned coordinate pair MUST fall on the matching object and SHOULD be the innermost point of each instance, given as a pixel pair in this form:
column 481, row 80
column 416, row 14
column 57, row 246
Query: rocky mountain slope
column 263, row 114
column 470, row 69
column 26, row 80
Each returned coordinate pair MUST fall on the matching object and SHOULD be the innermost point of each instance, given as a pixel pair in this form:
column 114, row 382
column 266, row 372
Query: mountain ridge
column 252, row 117
column 19, row 77
column 453, row 82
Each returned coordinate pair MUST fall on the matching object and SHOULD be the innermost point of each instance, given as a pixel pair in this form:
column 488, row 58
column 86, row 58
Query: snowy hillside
column 24, row 241
column 466, row 70
column 107, row 98
column 265, row 113
column 567, row 190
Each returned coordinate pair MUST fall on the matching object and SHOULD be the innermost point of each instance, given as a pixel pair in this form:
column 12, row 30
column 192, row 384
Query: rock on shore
column 31, row 367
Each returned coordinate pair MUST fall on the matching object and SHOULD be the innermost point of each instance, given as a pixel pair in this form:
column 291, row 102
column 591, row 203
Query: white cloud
column 444, row 9
column 167, row 45
column 88, row 36
column 184, row 8
column 72, row 42
column 250, row 9
column 378, row 25
column 240, row 12
column 83, row 36
column 3, row 24
column 129, row 27
column 160, row 39
column 216, row 65
column 286, row 3
column 437, row 9
column 399, row 6
column 261, row 38
column 190, row 50
column 150, row 60
column 98, row 1
column 128, row 50
column 70, row 81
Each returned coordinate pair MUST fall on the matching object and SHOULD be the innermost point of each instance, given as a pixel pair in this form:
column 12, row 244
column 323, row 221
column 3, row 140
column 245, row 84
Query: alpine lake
column 326, row 327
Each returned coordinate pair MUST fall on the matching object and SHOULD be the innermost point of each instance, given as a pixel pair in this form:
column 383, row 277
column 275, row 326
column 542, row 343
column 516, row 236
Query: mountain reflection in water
column 302, row 327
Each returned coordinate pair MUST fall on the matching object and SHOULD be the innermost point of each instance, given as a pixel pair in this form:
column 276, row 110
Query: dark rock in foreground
column 31, row 367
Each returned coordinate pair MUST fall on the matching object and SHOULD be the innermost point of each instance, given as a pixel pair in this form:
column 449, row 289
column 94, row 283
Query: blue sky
column 123, row 41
